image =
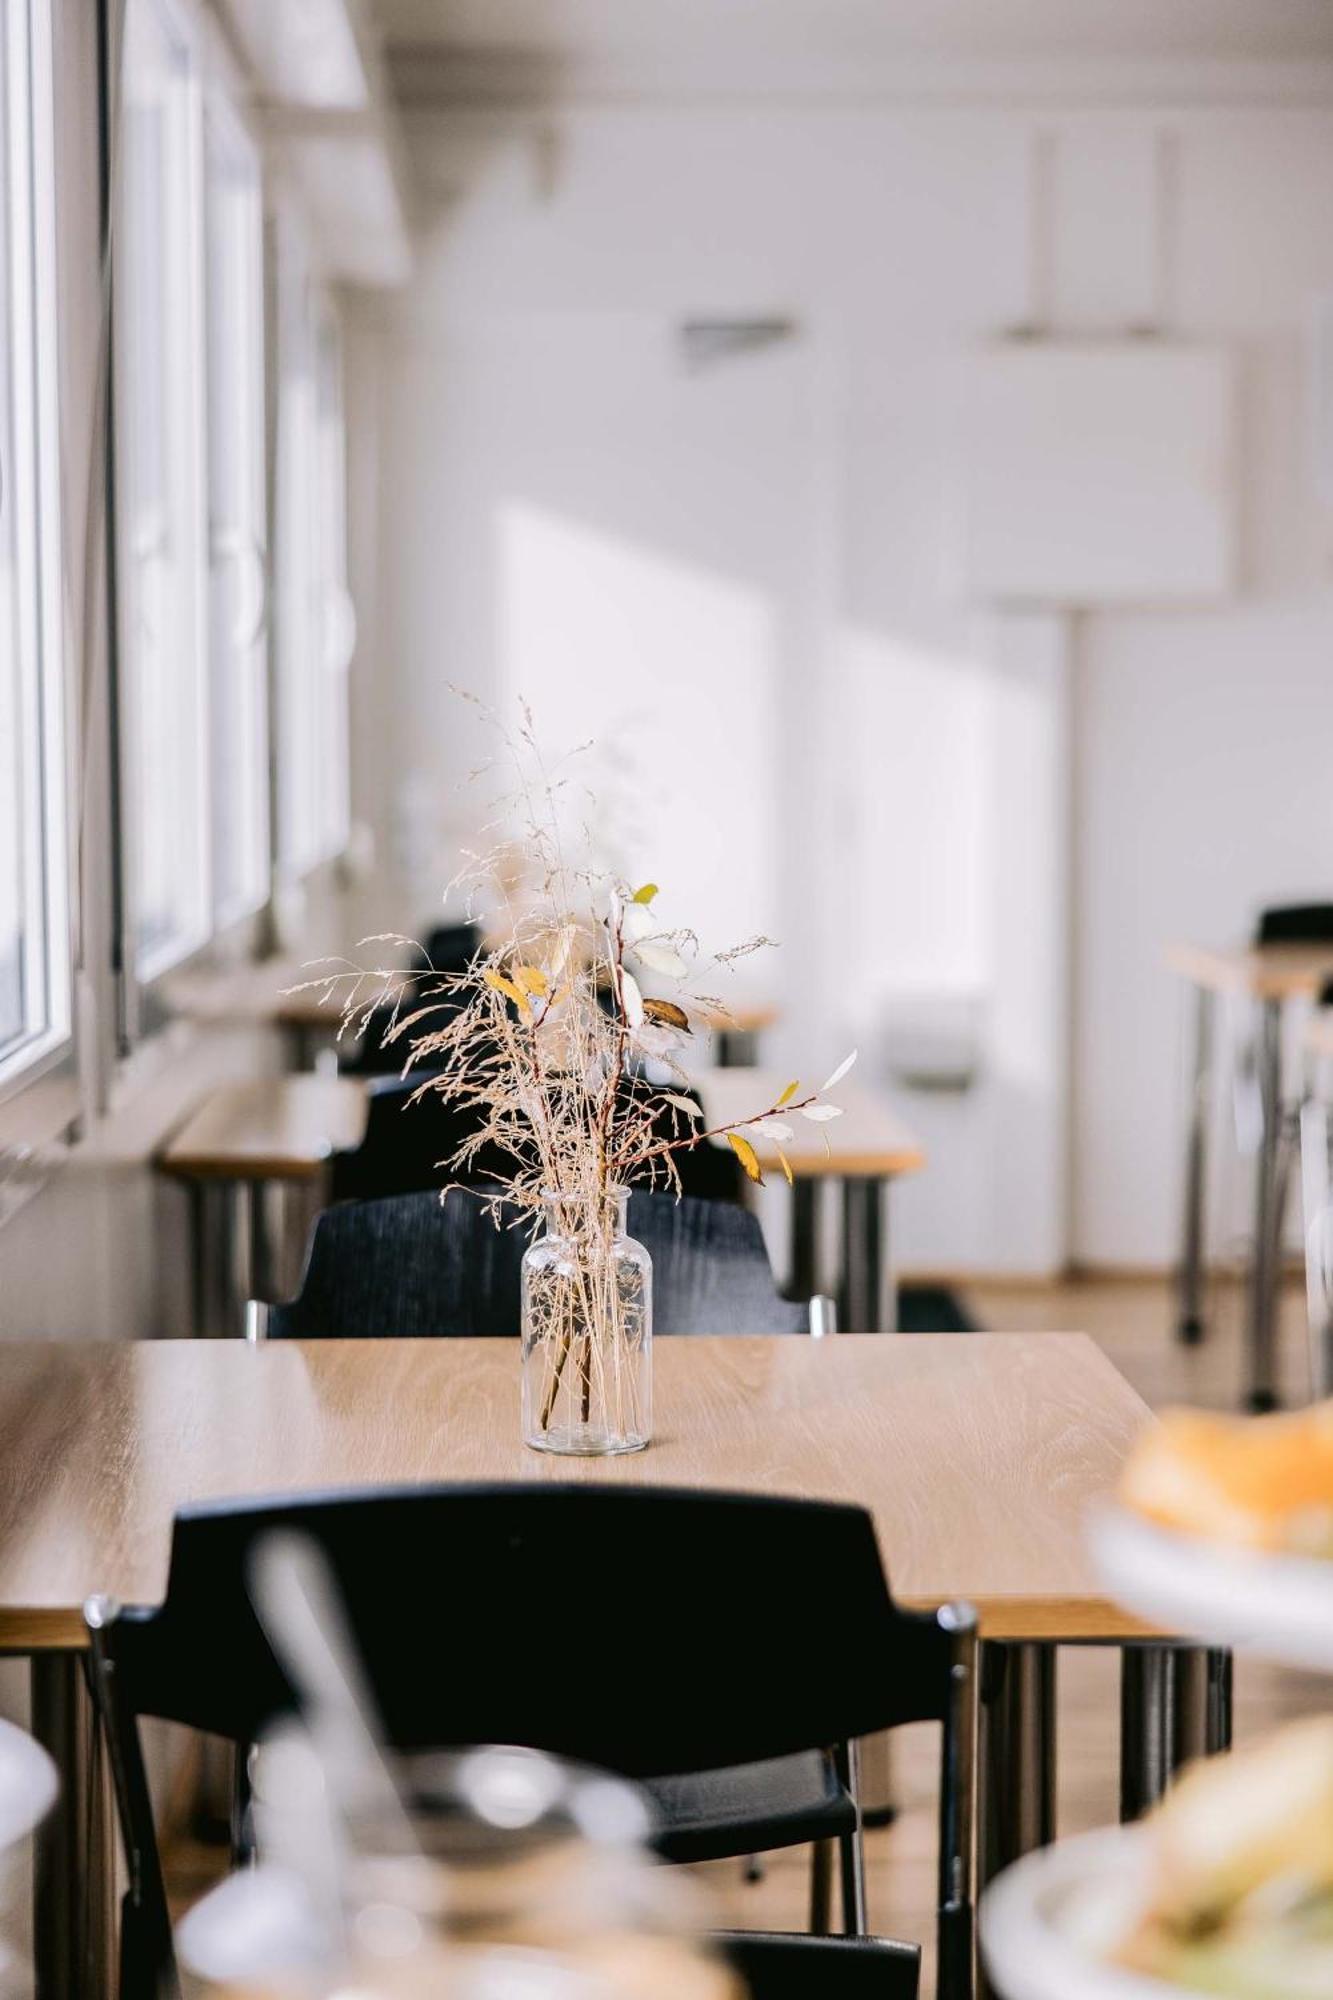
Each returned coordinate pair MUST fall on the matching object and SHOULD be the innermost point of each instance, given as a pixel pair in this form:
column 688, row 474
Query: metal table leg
column 864, row 1254
column 74, row 1873
column 1262, row 1355
column 804, row 1258
column 1175, row 1704
column 1190, row 1323
column 1017, row 1811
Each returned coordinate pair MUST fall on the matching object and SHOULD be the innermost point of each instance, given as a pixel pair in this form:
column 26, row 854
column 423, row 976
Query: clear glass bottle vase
column 587, row 1330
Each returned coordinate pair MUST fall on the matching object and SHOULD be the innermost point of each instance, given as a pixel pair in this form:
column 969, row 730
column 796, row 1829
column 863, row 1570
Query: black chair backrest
column 408, row 1138
column 452, row 947
column 1295, row 923
column 408, row 1142
column 767, row 1622
column 372, row 1055
column 415, row 1267
column 775, row 1966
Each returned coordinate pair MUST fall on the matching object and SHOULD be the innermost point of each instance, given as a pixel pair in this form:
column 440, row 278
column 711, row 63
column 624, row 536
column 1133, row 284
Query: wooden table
column 249, row 1151
column 265, row 994
column 864, row 1150
column 977, row 1455
column 1272, row 976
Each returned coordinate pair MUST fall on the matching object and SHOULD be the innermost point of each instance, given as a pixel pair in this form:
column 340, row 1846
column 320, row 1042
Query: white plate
column 28, row 1784
column 1277, row 1606
column 1047, row 1922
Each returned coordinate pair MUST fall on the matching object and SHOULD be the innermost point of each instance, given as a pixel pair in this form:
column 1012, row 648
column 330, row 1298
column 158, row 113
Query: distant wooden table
column 863, row 1151
column 264, row 994
column 249, row 1150
column 978, row 1456
column 1319, row 1034
column 1271, row 975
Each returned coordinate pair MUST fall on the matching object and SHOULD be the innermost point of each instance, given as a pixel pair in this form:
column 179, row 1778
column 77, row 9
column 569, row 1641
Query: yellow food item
column 1261, row 1482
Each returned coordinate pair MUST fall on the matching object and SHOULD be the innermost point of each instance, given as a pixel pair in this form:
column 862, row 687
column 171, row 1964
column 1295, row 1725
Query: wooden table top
column 869, row 1138
column 977, row 1453
column 276, row 1128
column 1269, row 972
column 261, row 994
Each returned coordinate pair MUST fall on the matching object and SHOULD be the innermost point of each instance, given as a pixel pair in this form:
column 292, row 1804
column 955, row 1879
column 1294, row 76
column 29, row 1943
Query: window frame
column 33, row 490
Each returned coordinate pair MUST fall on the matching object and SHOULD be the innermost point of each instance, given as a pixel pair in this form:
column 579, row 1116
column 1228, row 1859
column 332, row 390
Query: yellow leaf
column 531, row 978
column 668, row 1013
column 788, row 1094
column 786, row 1167
column 747, row 1156
column 645, row 894
column 499, row 984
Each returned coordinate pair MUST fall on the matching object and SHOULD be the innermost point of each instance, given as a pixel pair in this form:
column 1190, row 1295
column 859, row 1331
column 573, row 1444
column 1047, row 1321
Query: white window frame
column 32, row 491
column 226, row 127
column 143, row 969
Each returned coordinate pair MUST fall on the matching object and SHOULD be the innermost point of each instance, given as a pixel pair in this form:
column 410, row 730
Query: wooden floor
column 1131, row 1320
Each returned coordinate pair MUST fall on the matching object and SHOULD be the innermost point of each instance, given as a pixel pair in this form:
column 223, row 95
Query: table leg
column 804, row 1259
column 74, row 1872
column 1190, row 1324
column 1017, row 1807
column 1262, row 1357
column 864, row 1253
column 1175, row 1705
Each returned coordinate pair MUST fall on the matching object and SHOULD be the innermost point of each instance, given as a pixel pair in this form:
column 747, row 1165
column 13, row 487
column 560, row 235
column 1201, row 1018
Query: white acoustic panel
column 1096, row 473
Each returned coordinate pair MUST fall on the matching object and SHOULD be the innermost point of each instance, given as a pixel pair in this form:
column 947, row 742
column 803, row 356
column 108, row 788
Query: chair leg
column 754, row 1868
column 821, row 1888
column 853, row 1873
column 851, row 1847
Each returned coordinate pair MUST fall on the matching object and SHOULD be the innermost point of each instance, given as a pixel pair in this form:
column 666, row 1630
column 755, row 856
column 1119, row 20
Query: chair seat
column 749, row 1808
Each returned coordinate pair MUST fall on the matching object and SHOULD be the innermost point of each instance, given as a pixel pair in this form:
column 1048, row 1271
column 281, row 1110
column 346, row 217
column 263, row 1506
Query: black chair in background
column 448, row 949
column 415, row 1267
column 1295, row 923
column 769, row 1621
column 407, row 1142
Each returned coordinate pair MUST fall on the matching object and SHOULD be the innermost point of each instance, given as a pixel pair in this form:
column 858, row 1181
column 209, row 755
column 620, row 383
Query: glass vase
column 587, row 1330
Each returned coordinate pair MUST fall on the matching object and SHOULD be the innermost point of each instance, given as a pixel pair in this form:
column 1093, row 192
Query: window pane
column 301, row 714
column 337, row 634
column 33, row 935
column 162, row 539
column 238, row 643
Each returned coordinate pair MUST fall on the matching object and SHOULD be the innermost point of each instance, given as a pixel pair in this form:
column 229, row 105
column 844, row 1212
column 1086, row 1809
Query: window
column 238, row 644
column 34, row 906
column 161, row 526
column 316, row 627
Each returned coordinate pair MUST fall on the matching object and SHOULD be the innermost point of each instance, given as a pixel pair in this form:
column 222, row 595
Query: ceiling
column 436, row 45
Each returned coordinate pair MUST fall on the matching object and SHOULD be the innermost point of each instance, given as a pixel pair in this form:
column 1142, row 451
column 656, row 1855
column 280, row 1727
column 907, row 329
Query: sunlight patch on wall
column 675, row 674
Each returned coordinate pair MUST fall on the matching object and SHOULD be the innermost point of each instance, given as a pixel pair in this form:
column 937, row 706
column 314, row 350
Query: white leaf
column 637, row 921
column 631, row 999
column 663, row 958
column 819, row 1114
column 841, row 1071
column 773, row 1128
column 685, row 1104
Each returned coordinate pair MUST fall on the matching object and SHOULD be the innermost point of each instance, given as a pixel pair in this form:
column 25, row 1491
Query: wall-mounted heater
column 1096, row 473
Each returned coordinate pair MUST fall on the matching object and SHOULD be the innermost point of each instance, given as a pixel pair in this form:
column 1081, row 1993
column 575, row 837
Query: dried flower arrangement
column 573, row 1077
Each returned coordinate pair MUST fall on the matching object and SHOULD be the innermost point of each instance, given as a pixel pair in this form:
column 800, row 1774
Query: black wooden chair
column 415, row 1267
column 768, row 1621
column 407, row 1143
column 1295, row 923
column 448, row 949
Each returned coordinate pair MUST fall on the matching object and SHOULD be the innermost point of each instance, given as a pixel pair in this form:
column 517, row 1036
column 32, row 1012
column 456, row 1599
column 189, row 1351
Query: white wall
column 905, row 760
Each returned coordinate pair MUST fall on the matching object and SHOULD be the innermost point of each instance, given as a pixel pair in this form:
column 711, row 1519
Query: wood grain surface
column 1270, row 972
column 276, row 1128
column 868, row 1140
column 978, row 1454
